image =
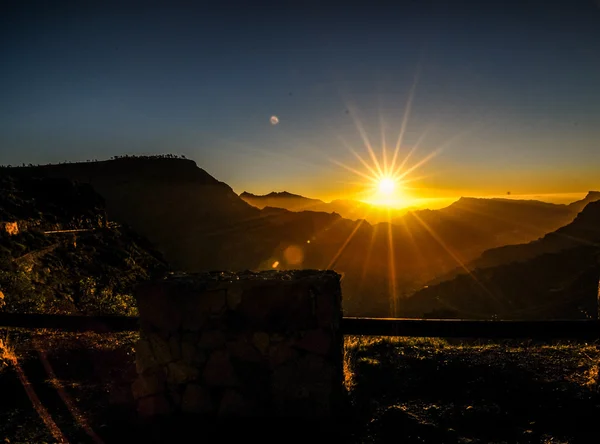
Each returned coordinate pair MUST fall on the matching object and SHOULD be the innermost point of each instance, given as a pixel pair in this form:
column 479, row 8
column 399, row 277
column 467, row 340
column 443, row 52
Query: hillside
column 555, row 276
column 86, row 272
column 196, row 221
column 582, row 231
column 199, row 223
column 471, row 225
column 585, row 229
column 578, row 206
column 49, row 204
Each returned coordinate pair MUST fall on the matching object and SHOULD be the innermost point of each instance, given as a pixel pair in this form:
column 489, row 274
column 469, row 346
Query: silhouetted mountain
column 560, row 285
column 554, row 276
column 348, row 208
column 199, row 223
column 289, row 201
column 186, row 212
column 467, row 227
column 592, row 196
column 474, row 225
column 584, row 230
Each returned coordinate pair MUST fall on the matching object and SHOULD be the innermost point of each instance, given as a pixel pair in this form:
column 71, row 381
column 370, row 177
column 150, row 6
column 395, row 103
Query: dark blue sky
column 509, row 92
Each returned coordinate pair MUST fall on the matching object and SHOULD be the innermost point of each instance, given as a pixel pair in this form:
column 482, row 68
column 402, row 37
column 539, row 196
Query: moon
column 274, row 120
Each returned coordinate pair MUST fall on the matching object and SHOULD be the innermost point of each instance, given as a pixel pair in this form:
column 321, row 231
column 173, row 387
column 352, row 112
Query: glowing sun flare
column 387, row 185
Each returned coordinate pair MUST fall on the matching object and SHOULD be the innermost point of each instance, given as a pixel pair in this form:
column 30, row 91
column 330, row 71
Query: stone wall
column 243, row 344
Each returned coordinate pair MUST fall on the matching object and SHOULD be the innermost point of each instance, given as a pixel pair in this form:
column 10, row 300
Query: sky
column 490, row 97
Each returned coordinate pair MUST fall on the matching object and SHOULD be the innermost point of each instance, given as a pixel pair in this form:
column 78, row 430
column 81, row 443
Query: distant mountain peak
column 284, row 194
column 272, row 194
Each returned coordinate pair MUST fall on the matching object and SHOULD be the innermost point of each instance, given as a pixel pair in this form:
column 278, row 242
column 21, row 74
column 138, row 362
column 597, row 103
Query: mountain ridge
column 537, row 272
column 198, row 223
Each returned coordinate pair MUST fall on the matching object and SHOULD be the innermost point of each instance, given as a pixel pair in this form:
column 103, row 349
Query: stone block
column 261, row 341
column 191, row 355
column 327, row 310
column 196, row 399
column 144, row 357
column 212, row 339
column 181, row 372
column 280, row 353
column 175, row 398
column 234, row 295
column 194, row 320
column 244, row 351
column 175, row 347
column 211, row 302
column 152, row 406
column 148, row 384
column 233, row 403
column 156, row 307
column 277, row 306
column 160, row 349
column 238, row 344
column 315, row 341
column 219, row 371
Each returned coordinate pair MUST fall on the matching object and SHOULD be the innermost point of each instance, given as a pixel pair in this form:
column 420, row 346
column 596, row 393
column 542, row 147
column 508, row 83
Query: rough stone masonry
column 240, row 344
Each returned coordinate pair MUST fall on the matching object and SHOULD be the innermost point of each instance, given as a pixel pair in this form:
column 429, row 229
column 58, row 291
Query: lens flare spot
column 274, row 120
column 293, row 255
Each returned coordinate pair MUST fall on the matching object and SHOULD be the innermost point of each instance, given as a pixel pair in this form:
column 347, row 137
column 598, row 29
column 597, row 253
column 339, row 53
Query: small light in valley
column 275, row 264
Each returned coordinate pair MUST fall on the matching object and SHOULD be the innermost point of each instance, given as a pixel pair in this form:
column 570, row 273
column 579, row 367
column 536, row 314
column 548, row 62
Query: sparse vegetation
column 416, row 389
column 91, row 272
column 95, row 274
column 7, row 353
column 452, row 391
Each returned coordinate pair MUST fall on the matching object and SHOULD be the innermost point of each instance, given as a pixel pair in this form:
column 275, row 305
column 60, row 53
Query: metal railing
column 445, row 328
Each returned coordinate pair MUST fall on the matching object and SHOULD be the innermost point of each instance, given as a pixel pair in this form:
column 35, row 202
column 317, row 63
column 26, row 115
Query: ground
column 401, row 389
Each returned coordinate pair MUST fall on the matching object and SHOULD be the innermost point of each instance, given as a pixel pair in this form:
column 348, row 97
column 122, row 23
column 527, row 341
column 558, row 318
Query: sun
column 387, row 185
column 388, row 171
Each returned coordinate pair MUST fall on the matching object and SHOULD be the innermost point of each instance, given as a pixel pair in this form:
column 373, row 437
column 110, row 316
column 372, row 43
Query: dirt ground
column 66, row 387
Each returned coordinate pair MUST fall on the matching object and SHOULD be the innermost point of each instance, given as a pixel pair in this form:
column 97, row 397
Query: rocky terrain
column 45, row 267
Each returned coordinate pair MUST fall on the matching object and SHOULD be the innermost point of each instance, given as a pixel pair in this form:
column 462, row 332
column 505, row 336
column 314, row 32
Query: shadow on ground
column 402, row 390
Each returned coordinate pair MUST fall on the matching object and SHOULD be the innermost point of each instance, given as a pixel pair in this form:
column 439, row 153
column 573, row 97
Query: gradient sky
column 506, row 93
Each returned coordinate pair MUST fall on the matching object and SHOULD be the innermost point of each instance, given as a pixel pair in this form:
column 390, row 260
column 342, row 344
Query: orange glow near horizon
column 385, row 184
